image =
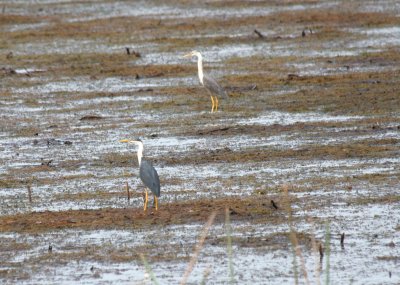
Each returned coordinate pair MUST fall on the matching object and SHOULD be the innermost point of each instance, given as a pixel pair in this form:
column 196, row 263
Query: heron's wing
column 212, row 86
column 149, row 176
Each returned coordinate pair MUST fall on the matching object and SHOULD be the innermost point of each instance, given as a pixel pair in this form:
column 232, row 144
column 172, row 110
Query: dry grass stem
column 293, row 237
column 317, row 272
column 198, row 247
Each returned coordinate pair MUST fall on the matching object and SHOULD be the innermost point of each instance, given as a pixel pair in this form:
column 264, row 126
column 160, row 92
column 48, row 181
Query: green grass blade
column 295, row 270
column 205, row 276
column 148, row 269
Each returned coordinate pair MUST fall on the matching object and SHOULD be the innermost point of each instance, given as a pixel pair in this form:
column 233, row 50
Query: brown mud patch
column 252, row 208
column 360, row 149
column 95, row 65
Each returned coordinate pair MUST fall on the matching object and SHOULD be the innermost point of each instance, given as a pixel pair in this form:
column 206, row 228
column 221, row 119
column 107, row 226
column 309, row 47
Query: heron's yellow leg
column 156, row 202
column 146, row 200
column 216, row 103
column 212, row 102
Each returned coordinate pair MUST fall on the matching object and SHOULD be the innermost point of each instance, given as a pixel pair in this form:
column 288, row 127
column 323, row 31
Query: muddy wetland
column 294, row 180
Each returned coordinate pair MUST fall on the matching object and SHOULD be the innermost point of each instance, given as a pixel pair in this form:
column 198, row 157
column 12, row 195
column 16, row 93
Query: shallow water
column 271, row 263
column 105, row 85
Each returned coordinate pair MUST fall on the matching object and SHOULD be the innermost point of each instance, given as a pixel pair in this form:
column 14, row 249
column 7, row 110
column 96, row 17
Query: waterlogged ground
column 306, row 148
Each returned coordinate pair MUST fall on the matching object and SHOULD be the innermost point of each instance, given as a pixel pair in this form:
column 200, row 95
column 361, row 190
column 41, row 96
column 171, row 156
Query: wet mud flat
column 305, row 151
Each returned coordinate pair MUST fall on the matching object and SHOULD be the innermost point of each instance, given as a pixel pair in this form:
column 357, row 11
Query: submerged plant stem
column 229, row 245
column 328, row 251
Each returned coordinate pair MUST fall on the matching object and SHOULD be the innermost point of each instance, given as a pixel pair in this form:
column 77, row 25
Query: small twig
column 292, row 76
column 259, row 34
column 342, row 240
column 242, row 88
column 135, row 53
column 27, row 72
column 321, row 253
column 303, row 33
column 127, row 191
column 274, row 205
column 198, row 247
column 29, row 193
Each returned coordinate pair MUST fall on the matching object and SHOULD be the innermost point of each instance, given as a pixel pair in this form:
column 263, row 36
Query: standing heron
column 212, row 86
column 148, row 174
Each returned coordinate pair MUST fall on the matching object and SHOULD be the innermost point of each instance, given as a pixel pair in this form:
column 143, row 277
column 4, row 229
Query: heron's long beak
column 188, row 55
column 130, row 141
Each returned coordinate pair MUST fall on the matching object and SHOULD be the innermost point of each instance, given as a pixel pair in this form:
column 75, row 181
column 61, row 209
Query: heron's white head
column 193, row 53
column 199, row 63
column 137, row 142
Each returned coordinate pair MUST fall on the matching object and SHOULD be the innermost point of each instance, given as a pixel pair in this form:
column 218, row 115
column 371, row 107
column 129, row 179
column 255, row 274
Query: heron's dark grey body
column 213, row 87
column 149, row 176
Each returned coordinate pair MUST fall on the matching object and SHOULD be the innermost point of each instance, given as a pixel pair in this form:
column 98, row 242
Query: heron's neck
column 200, row 67
column 140, row 153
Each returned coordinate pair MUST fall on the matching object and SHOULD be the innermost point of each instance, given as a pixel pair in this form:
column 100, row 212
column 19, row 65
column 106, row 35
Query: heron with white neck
column 148, row 174
column 214, row 89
